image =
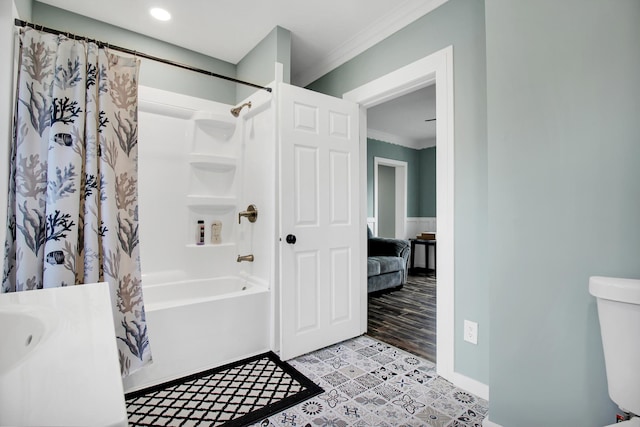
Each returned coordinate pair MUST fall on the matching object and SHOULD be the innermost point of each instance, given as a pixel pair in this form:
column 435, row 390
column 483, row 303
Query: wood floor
column 407, row 318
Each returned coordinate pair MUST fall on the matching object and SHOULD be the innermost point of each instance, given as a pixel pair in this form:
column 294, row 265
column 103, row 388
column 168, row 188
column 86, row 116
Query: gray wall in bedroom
column 564, row 148
column 427, row 182
column 152, row 73
column 459, row 23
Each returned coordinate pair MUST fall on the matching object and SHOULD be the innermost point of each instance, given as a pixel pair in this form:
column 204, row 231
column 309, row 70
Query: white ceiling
column 325, row 34
column 402, row 120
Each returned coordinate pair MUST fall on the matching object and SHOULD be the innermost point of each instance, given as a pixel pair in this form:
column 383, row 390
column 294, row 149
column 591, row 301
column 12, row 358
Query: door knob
column 291, row 239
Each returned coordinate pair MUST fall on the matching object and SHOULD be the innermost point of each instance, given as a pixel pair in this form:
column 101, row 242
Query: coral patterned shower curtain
column 73, row 210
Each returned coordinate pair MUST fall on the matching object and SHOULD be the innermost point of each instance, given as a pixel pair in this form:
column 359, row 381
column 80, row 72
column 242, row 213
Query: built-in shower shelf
column 211, row 204
column 217, row 125
column 211, row 245
column 212, row 162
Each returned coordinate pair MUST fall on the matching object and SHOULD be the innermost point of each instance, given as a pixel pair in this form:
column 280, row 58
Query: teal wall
column 258, row 66
column 421, row 170
column 427, row 182
column 563, row 82
column 377, row 148
column 459, row 23
column 23, row 7
column 153, row 74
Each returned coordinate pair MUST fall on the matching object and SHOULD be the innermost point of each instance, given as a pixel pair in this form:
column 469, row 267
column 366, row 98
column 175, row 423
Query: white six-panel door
column 319, row 210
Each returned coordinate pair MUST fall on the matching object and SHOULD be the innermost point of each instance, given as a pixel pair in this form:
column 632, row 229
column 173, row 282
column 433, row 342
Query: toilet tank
column 619, row 312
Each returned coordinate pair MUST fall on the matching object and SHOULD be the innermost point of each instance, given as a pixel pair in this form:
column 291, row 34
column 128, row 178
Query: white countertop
column 59, row 361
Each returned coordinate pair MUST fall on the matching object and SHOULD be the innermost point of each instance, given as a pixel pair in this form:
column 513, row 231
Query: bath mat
column 237, row 394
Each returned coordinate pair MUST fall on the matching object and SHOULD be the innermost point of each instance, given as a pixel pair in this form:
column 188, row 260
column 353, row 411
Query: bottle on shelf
column 200, row 233
column 216, row 232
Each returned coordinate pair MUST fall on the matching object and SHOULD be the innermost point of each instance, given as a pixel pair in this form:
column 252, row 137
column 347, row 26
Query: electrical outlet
column 471, row 332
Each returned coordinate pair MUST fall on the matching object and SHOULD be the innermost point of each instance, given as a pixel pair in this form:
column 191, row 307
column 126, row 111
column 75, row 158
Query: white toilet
column 619, row 313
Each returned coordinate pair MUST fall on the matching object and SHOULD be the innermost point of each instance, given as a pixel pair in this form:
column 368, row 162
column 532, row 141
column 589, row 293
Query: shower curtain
column 72, row 208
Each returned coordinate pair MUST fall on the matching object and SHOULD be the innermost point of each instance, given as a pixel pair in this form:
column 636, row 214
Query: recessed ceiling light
column 160, row 14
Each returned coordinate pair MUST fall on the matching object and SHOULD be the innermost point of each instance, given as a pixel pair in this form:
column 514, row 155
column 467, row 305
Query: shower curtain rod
column 21, row 23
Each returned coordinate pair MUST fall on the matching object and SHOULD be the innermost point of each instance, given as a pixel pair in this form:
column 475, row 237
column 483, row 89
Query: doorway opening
column 390, row 197
column 404, row 206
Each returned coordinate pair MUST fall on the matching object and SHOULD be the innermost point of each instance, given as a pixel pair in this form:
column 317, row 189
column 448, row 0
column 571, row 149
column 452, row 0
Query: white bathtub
column 195, row 325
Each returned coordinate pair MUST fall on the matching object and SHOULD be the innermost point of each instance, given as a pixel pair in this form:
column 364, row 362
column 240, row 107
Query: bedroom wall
column 153, row 74
column 427, row 182
column 564, row 144
column 459, row 23
column 376, row 148
column 421, row 176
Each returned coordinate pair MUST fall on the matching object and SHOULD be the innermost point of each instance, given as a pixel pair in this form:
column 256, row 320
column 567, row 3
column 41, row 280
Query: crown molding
column 391, row 139
column 403, row 15
column 399, row 140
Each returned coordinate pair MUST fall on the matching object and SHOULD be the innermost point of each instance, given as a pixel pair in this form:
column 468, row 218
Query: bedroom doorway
column 386, row 197
column 403, row 317
column 389, row 197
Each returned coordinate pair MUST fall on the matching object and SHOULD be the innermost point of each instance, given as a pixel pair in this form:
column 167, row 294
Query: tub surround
column 195, row 165
column 67, row 370
column 200, row 163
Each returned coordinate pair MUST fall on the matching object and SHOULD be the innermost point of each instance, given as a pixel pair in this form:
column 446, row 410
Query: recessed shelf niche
column 220, row 126
column 211, row 204
column 213, row 165
column 212, row 162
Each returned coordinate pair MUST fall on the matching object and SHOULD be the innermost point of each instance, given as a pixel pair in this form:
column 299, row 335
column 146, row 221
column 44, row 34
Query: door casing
column 436, row 68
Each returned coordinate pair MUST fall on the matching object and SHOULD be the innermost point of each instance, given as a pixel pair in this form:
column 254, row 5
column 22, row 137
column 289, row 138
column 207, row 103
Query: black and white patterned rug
column 237, row 394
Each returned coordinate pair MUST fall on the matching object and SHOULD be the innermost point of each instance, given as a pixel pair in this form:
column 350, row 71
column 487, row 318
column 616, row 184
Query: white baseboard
column 470, row 385
column 488, row 423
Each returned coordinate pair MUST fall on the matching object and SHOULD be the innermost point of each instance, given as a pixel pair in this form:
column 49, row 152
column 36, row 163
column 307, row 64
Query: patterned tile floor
column 370, row 383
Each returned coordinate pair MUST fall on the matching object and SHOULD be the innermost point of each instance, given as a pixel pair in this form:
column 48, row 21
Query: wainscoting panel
column 415, row 226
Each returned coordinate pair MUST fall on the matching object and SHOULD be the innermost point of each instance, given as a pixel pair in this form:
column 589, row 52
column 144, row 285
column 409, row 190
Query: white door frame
column 436, row 68
column 400, row 169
